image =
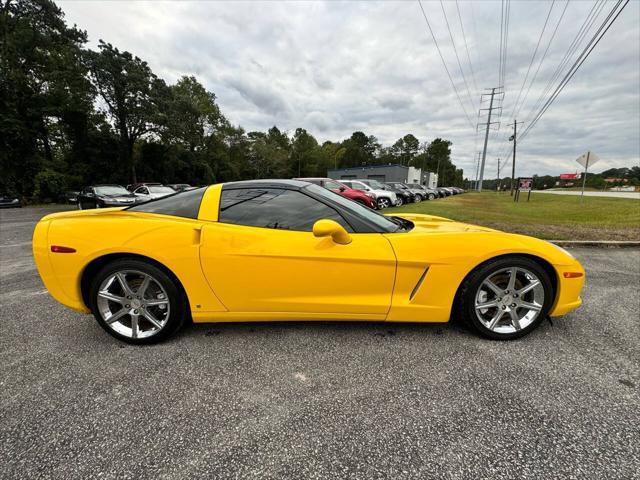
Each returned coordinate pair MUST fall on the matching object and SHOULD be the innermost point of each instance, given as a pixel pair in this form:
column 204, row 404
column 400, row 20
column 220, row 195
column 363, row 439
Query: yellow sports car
column 290, row 250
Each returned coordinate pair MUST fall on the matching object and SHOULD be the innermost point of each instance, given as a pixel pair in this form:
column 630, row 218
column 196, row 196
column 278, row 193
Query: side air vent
column 420, row 280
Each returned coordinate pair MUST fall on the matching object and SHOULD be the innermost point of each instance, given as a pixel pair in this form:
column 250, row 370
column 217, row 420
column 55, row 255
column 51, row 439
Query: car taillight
column 61, row 249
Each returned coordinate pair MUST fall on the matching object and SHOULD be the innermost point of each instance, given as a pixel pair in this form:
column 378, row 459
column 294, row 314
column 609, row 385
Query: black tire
column 384, row 202
column 417, row 198
column 465, row 299
column 178, row 310
column 399, row 201
column 432, row 196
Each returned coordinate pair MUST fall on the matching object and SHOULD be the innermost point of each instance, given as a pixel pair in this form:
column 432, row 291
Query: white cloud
column 333, row 68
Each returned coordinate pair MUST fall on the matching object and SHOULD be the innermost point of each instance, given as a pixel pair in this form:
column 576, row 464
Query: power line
column 445, row 64
column 586, row 26
column 581, row 59
column 466, row 46
column 544, row 55
column 455, row 51
column 535, row 52
column 516, row 109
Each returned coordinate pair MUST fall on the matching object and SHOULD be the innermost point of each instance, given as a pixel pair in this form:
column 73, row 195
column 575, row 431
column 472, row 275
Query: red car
column 350, row 193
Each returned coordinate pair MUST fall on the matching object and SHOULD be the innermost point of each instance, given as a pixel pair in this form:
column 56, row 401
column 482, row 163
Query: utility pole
column 488, row 124
column 475, row 183
column 514, row 139
column 498, row 182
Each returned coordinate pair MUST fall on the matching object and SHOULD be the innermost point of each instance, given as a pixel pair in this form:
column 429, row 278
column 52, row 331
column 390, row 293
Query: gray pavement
column 590, row 193
column 318, row 400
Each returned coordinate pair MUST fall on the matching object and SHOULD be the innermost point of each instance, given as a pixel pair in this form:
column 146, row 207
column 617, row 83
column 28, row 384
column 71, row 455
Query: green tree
column 43, row 90
column 405, row 149
column 133, row 95
column 305, row 154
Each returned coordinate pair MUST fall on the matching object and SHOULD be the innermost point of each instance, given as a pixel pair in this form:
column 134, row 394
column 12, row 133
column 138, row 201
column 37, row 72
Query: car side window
column 275, row 208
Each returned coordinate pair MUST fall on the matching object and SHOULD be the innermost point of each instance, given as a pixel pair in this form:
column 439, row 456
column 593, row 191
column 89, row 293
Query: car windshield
column 112, row 190
column 385, row 223
column 331, row 185
column 160, row 189
column 375, row 184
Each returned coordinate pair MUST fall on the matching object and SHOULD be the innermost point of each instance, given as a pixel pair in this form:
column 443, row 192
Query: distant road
column 632, row 195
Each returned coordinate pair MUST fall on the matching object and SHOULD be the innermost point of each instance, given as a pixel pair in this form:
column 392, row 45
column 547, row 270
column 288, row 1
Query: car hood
column 468, row 242
column 431, row 223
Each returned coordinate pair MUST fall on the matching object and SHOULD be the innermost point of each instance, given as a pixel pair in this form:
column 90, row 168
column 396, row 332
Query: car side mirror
column 342, row 189
column 330, row 228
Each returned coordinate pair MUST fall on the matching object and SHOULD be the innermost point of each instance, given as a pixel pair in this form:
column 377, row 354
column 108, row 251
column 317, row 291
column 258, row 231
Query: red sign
column 569, row 176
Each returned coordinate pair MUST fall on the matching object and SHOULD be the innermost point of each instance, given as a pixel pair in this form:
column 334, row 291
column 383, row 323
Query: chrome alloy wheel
column 509, row 300
column 133, row 304
column 383, row 202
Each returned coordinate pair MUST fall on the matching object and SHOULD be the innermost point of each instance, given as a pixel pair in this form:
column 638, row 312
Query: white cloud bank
column 338, row 67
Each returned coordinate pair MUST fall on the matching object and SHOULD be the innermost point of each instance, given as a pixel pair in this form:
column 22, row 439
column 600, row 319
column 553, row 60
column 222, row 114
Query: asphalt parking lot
column 318, row 400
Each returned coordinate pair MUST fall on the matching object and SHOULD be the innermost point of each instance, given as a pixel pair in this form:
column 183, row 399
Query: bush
column 49, row 185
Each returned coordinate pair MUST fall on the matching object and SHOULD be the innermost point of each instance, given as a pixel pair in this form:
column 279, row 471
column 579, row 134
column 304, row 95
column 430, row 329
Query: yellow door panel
column 254, row 269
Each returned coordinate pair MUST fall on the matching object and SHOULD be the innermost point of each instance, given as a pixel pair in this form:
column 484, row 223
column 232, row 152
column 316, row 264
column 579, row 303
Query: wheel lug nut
column 127, row 306
column 513, row 304
column 504, row 307
column 135, row 311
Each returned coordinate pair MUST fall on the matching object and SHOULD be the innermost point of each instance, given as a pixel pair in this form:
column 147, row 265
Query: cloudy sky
column 334, row 68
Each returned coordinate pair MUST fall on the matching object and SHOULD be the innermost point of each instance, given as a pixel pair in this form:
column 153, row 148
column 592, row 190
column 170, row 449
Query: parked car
column 135, row 186
column 416, row 194
column 284, row 249
column 444, row 192
column 70, row 197
column 384, row 198
column 9, row 201
column 403, row 195
column 152, row 191
column 359, row 196
column 427, row 193
column 103, row 196
column 179, row 187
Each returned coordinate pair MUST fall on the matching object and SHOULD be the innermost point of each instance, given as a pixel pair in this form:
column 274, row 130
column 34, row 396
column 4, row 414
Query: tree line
column 72, row 116
column 612, row 177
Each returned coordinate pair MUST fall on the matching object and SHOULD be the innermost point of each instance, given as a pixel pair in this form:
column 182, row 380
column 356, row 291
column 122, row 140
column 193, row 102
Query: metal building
column 385, row 173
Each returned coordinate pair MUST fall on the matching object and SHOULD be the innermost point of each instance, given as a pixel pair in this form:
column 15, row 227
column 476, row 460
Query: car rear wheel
column 417, row 198
column 137, row 302
column 383, row 202
column 506, row 298
column 432, row 196
column 399, row 202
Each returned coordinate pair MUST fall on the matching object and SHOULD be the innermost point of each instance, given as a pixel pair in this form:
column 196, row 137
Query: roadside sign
column 525, row 184
column 569, row 176
column 586, row 159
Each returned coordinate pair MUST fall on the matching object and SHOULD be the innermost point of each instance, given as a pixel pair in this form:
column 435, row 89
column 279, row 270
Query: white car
column 384, row 198
column 151, row 192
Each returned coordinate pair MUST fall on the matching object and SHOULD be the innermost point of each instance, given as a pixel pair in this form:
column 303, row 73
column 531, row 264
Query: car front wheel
column 383, row 203
column 506, row 298
column 432, row 196
column 417, row 198
column 137, row 302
